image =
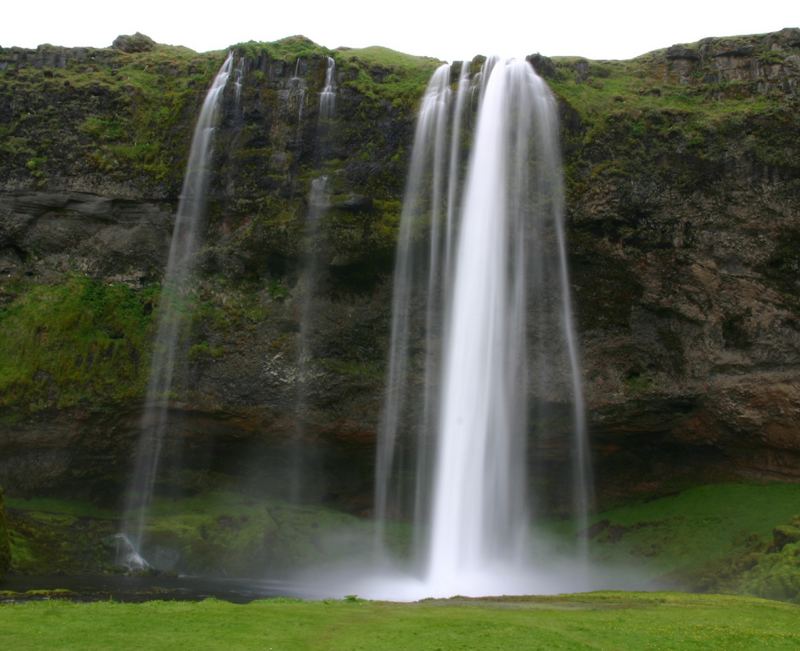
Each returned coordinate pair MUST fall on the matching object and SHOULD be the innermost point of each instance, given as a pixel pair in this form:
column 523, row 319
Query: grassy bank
column 696, row 531
column 734, row 538
column 593, row 621
column 216, row 533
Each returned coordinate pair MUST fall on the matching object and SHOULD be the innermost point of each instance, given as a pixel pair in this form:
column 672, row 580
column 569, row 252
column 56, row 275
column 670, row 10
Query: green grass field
column 593, row 621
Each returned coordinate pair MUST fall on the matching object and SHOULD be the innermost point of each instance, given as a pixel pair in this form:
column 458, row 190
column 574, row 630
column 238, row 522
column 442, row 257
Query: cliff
column 684, row 241
column 5, row 550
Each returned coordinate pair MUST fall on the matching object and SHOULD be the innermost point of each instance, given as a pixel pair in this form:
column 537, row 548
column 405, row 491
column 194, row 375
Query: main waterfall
column 481, row 280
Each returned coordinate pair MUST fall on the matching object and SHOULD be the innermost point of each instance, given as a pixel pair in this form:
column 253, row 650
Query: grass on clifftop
column 125, row 114
column 614, row 87
column 590, row 621
column 287, row 49
column 381, row 73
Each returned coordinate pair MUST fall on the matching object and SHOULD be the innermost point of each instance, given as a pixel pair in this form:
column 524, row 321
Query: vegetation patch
column 230, row 534
column 736, row 538
column 726, row 537
column 288, row 49
column 125, row 115
column 51, row 536
column 381, row 73
column 78, row 343
column 629, row 119
column 222, row 533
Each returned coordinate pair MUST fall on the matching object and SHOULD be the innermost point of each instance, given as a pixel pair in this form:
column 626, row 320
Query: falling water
column 494, row 312
column 309, row 285
column 301, row 464
column 238, row 80
column 172, row 318
column 419, row 206
column 297, row 90
column 327, row 98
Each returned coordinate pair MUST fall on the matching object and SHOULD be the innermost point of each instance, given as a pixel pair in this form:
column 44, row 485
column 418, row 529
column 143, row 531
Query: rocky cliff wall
column 684, row 229
column 5, row 548
column 683, row 186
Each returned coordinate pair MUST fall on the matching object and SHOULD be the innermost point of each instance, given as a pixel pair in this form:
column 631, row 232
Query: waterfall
column 481, row 280
column 297, row 90
column 327, row 98
column 238, row 80
column 309, row 286
column 301, row 465
column 410, row 285
column 172, row 318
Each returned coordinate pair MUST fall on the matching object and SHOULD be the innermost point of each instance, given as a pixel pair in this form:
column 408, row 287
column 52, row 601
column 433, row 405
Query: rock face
column 684, row 234
column 5, row 548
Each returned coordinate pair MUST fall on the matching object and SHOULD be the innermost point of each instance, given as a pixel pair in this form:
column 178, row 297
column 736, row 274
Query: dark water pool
column 140, row 588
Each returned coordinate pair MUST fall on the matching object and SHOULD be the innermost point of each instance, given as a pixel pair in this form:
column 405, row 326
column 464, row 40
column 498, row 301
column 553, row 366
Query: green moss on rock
column 287, row 49
column 120, row 115
column 77, row 343
column 218, row 533
column 705, row 538
column 775, row 575
column 50, row 536
column 381, row 73
column 137, row 42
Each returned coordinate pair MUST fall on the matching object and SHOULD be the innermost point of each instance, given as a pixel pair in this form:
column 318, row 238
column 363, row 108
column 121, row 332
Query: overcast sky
column 610, row 29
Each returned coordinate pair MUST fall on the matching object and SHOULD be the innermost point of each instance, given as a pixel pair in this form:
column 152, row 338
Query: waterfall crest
column 327, row 98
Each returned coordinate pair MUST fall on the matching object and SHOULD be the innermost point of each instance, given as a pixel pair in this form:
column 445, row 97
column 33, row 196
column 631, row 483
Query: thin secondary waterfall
column 172, row 318
column 238, row 80
column 491, row 302
column 297, row 91
column 392, row 462
column 327, row 98
column 309, row 285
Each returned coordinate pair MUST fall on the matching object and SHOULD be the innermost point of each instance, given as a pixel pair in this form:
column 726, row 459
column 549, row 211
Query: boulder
column 786, row 534
column 137, row 42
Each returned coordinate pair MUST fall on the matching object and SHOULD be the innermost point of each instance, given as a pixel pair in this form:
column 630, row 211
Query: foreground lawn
column 610, row 620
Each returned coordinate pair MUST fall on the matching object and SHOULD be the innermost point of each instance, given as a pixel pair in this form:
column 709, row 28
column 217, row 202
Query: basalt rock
column 5, row 546
column 137, row 42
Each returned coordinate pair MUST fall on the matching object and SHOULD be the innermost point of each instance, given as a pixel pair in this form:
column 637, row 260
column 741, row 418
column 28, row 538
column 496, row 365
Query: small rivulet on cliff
column 683, row 181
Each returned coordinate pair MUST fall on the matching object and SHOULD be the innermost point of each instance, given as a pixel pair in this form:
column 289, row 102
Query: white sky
column 603, row 29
